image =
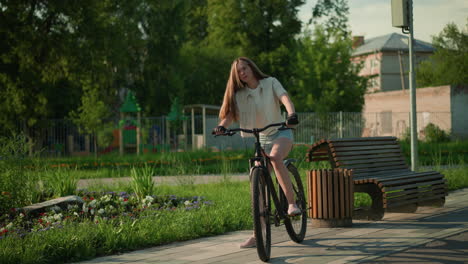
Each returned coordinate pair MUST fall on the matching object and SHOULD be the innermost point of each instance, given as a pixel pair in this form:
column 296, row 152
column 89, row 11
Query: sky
column 373, row 18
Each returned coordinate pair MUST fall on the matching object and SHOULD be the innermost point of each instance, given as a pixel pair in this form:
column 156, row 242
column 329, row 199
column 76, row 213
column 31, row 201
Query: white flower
column 58, row 216
column 101, row 211
column 187, row 203
column 21, row 215
column 106, row 198
column 92, row 211
column 10, row 225
column 93, row 203
column 75, row 213
column 85, row 208
column 148, row 199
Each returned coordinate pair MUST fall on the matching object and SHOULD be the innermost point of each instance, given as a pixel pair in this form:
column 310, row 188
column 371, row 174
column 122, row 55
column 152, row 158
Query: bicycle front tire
column 261, row 213
column 296, row 226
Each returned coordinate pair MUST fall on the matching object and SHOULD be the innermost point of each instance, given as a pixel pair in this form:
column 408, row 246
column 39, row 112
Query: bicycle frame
column 262, row 161
column 263, row 187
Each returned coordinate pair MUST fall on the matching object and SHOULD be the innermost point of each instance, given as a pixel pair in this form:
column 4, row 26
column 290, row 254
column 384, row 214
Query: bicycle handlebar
column 230, row 132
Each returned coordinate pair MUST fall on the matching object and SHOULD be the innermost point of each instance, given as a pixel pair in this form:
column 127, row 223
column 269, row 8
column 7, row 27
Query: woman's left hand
column 292, row 119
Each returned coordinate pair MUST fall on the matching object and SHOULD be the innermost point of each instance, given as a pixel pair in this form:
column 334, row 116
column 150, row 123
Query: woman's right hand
column 219, row 130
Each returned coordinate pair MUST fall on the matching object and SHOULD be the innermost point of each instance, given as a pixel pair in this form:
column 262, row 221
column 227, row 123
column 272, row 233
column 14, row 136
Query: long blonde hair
column 234, row 84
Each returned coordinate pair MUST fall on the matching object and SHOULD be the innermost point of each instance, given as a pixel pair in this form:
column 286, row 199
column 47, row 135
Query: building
column 387, row 113
column 385, row 60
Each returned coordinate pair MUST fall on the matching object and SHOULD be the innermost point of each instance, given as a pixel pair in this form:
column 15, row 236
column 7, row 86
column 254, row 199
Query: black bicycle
column 263, row 191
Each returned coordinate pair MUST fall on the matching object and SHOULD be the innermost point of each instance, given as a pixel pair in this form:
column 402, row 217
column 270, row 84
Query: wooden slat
column 384, row 174
column 325, row 193
column 361, row 143
column 314, row 194
column 420, row 179
column 348, row 190
column 336, row 190
column 309, row 193
column 362, row 139
column 342, row 201
column 408, row 186
column 358, row 157
column 376, row 174
column 364, row 148
column 372, row 159
column 330, row 193
column 364, row 152
column 379, row 165
column 351, row 193
column 432, row 188
column 406, row 175
column 378, row 171
column 319, row 195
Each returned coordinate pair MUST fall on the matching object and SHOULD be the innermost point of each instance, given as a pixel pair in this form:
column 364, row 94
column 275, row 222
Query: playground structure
column 128, row 128
column 199, row 136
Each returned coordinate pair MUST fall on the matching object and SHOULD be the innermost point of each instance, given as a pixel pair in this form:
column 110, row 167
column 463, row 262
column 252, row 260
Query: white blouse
column 260, row 106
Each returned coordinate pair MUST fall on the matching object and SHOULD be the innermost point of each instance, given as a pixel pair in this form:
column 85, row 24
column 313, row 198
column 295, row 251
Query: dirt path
column 166, row 180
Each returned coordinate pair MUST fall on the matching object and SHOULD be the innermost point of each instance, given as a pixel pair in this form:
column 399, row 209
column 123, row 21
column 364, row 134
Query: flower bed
column 97, row 207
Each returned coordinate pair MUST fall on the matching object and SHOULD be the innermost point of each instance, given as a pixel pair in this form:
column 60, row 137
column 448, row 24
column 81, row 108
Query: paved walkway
column 430, row 235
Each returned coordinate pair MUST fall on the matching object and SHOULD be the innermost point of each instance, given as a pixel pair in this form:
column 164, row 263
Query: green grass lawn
column 25, row 181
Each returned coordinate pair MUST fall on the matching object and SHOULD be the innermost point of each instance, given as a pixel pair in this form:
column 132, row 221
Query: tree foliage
column 449, row 63
column 327, row 80
column 263, row 30
column 76, row 58
column 334, row 14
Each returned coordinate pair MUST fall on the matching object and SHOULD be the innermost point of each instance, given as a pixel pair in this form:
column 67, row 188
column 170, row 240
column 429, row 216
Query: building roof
column 391, row 42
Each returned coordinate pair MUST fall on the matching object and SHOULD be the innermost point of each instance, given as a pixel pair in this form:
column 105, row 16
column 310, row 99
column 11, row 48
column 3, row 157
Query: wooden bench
column 380, row 170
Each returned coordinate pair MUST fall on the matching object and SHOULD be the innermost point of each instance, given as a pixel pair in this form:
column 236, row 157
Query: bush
column 17, row 183
column 433, row 134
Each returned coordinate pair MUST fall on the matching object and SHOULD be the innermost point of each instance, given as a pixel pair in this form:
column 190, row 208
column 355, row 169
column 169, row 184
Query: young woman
column 253, row 99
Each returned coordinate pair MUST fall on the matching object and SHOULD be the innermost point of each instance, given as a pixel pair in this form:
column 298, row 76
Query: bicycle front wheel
column 261, row 213
column 296, row 226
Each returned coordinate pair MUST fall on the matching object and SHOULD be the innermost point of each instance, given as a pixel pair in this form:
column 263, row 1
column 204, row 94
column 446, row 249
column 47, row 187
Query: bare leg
column 279, row 151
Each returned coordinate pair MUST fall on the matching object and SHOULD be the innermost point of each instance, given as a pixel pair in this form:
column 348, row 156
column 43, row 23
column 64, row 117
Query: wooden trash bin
column 330, row 197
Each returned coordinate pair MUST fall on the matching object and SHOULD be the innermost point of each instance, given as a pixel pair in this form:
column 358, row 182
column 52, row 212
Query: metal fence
column 62, row 137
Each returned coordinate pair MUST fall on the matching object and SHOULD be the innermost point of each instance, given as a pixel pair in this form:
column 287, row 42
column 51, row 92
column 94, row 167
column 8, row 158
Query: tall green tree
column 34, row 62
column 93, row 111
column 449, row 63
column 326, row 79
column 331, row 14
column 163, row 27
column 263, row 30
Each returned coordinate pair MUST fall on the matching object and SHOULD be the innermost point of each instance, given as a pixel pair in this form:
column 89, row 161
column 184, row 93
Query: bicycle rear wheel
column 261, row 213
column 296, row 226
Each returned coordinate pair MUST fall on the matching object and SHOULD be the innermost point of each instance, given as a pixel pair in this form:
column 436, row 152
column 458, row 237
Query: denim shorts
column 267, row 140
